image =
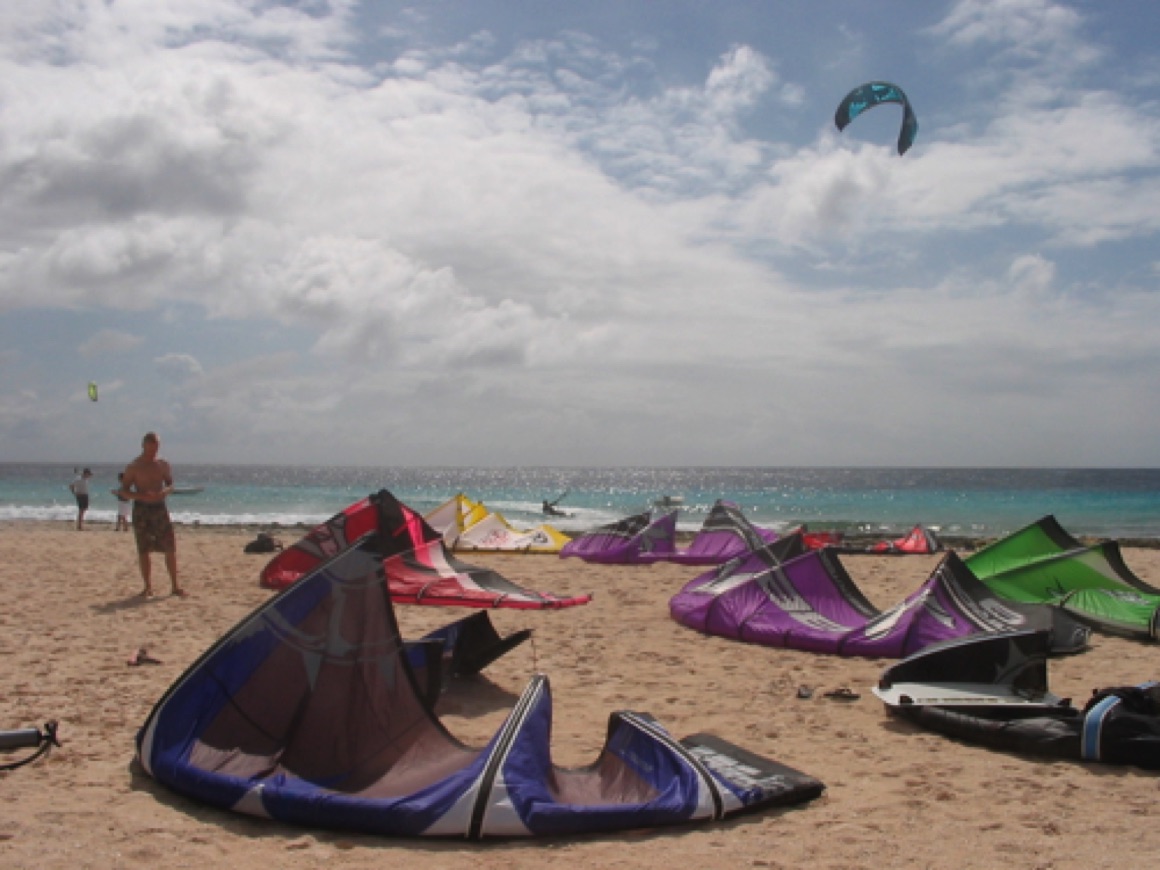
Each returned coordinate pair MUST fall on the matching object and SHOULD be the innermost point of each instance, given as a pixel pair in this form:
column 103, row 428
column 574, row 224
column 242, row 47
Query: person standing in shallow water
column 80, row 489
column 147, row 481
column 124, row 506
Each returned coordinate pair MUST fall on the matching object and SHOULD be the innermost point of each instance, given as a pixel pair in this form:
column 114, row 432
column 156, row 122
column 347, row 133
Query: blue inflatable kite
column 873, row 94
column 312, row 712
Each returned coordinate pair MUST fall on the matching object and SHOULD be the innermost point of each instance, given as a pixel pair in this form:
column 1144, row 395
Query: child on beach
column 80, row 489
column 124, row 505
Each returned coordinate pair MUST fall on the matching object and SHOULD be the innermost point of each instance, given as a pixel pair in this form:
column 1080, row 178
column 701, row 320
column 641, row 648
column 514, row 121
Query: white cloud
column 453, row 237
column 1060, row 170
column 179, row 366
column 1026, row 26
column 109, row 341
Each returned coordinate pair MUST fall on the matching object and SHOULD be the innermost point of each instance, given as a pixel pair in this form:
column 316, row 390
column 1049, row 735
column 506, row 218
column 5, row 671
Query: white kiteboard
column 962, row 695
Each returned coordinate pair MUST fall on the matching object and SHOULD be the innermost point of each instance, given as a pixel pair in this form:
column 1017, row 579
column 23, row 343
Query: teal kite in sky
column 873, row 94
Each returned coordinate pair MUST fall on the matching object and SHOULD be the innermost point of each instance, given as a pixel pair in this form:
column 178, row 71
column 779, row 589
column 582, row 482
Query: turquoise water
column 1114, row 503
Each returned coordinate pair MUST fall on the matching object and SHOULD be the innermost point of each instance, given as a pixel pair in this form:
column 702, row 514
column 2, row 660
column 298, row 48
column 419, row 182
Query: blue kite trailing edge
column 872, row 94
column 311, row 712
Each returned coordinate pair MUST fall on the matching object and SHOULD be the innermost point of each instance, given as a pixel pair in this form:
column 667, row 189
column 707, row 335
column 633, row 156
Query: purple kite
column 725, row 534
column 810, row 603
column 634, row 540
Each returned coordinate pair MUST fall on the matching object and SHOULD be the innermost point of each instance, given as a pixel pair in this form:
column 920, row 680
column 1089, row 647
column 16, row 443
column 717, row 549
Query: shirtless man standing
column 146, row 482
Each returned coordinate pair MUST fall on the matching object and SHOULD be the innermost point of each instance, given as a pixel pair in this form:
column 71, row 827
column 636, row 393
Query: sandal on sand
column 142, row 657
column 843, row 694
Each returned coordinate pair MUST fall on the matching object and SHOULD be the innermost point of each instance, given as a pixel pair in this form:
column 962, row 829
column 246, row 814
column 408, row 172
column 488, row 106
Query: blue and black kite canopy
column 873, row 94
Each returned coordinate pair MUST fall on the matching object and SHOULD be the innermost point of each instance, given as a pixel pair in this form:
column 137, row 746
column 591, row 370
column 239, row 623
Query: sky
column 617, row 232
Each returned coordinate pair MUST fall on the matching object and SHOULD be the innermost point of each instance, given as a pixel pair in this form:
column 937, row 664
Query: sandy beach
column 895, row 797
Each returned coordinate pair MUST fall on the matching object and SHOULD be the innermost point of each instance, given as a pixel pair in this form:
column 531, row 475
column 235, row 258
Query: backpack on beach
column 264, row 543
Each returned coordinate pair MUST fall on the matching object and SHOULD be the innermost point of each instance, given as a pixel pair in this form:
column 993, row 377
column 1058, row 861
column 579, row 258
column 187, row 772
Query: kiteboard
column 962, row 695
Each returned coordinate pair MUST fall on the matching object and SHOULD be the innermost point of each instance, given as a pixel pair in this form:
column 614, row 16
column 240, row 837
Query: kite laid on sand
column 1043, row 564
column 642, row 540
column 419, row 567
column 787, row 596
column 470, row 525
column 993, row 690
column 310, row 712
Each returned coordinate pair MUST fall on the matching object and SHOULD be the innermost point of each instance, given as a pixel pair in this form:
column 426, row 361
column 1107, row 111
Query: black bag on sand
column 264, row 543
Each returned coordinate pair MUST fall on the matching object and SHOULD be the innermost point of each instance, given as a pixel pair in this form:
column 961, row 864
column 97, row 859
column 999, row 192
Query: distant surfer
column 550, row 508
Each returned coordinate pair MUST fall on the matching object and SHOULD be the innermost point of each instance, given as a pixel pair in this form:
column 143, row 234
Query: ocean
column 956, row 502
